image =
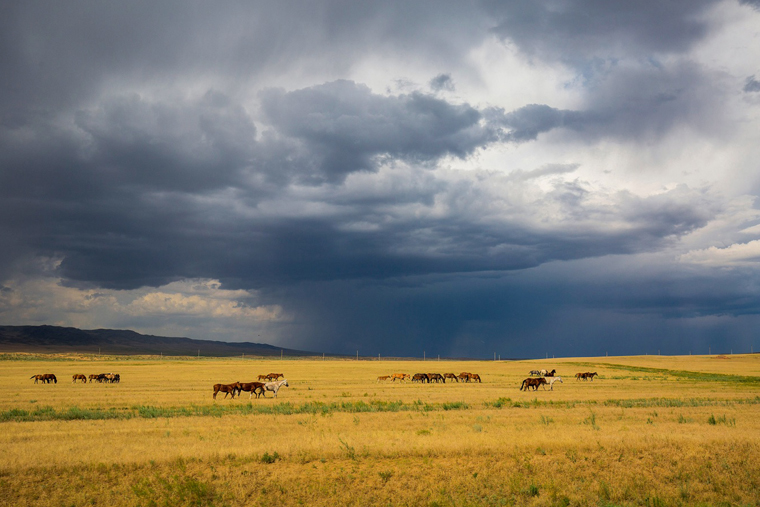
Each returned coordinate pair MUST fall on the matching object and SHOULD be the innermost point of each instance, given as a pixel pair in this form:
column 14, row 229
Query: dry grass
column 651, row 430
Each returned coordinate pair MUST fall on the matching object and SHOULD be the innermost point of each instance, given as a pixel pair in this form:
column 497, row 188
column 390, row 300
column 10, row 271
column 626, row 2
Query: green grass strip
column 683, row 374
column 217, row 410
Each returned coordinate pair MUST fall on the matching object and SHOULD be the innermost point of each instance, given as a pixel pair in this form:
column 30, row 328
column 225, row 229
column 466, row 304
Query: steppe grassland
column 685, row 439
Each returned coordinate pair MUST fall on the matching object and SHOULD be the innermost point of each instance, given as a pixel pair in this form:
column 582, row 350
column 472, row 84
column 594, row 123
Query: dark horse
column 533, row 382
column 46, row 378
column 79, row 376
column 226, row 389
column 252, row 388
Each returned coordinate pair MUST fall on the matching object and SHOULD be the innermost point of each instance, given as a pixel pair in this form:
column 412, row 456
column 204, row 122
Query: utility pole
column 423, row 355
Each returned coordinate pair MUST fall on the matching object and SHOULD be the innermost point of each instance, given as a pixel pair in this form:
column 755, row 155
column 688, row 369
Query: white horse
column 552, row 380
column 543, row 372
column 274, row 387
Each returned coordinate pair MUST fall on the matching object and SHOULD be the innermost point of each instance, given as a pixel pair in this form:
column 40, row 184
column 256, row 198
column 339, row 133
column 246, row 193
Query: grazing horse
column 262, row 377
column 251, row 388
column 399, row 376
column 552, row 380
column 36, row 378
column 535, row 373
column 79, row 376
column 451, row 376
column 475, row 377
column 275, row 386
column 533, row 382
column 226, row 389
column 420, row 377
column 47, row 378
column 436, row 377
column 94, row 376
column 383, row 378
column 464, row 376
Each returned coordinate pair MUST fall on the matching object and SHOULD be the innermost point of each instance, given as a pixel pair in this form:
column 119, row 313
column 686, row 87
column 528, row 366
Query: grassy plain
column 651, row 430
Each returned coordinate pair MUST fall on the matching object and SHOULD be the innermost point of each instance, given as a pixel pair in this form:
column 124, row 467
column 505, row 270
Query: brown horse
column 436, row 377
column 475, row 377
column 420, row 377
column 451, row 376
column 226, row 389
column 533, row 382
column 79, row 376
column 262, row 377
column 36, row 378
column 48, row 378
column 383, row 378
column 399, row 376
column 251, row 388
column 275, row 376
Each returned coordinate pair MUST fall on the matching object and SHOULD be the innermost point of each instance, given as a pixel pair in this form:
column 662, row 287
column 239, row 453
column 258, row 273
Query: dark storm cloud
column 54, row 56
column 575, row 30
column 347, row 126
column 752, row 84
column 442, row 82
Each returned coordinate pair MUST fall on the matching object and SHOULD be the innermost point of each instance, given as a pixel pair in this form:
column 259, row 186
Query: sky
column 525, row 178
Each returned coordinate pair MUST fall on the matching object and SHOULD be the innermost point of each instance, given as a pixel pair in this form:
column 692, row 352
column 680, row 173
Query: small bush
column 270, row 458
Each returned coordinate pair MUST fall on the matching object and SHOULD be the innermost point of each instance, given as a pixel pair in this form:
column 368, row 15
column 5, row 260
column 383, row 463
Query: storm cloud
column 315, row 176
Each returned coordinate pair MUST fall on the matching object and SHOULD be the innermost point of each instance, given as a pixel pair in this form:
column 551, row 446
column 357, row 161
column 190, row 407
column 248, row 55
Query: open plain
column 649, row 430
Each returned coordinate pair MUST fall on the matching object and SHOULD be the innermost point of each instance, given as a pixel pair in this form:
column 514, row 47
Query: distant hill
column 51, row 339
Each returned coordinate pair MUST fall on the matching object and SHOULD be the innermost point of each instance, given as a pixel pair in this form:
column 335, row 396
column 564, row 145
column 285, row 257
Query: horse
column 36, row 378
column 226, row 389
column 275, row 386
column 534, row 373
column 590, row 375
column 552, row 380
column 262, row 377
column 94, row 376
column 275, row 376
column 399, row 376
column 48, row 378
column 436, row 377
column 533, row 382
column 79, row 376
column 383, row 378
column 451, row 376
column 420, row 377
column 475, row 377
column 550, row 373
column 251, row 388
column 464, row 376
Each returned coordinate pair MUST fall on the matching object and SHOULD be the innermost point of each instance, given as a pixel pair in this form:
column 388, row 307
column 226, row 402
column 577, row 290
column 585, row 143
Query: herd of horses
column 257, row 388
column 429, row 378
column 546, row 377
column 538, row 378
column 109, row 378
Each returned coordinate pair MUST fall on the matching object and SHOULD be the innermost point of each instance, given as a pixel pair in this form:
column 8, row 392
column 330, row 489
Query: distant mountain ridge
column 52, row 339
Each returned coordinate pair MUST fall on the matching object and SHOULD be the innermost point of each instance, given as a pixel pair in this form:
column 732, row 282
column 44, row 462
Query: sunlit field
column 649, row 430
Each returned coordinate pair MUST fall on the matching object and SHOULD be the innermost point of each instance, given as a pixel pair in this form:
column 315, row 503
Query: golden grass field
column 651, row 430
